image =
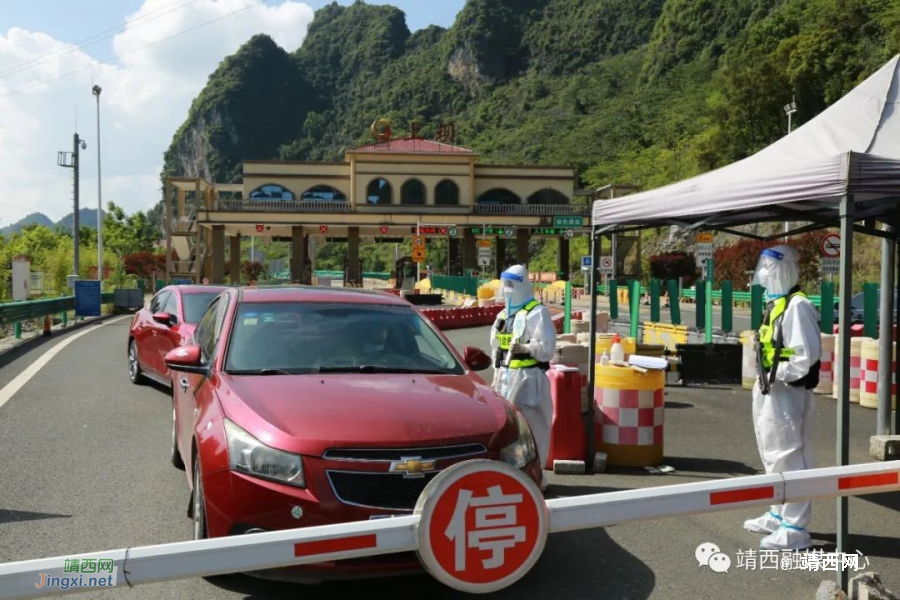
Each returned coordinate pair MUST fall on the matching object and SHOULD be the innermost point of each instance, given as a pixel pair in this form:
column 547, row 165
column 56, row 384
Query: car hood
column 309, row 414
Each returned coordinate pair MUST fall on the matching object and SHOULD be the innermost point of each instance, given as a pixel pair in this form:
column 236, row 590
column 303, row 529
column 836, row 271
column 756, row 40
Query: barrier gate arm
column 218, row 556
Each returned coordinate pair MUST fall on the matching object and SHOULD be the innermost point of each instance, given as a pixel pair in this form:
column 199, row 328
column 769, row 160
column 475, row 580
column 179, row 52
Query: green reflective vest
column 519, row 361
column 767, row 330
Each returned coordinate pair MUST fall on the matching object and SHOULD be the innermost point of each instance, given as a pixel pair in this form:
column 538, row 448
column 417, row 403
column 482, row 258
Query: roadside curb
column 11, row 353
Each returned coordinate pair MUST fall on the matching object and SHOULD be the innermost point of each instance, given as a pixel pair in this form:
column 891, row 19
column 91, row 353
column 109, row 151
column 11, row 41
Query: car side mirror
column 476, row 359
column 164, row 318
column 186, row 359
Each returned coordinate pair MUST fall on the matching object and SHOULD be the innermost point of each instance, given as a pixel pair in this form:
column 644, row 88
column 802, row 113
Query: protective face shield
column 778, row 271
column 516, row 289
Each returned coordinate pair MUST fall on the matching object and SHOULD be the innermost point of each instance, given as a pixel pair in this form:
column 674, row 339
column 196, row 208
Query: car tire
column 175, row 455
column 199, row 504
column 135, row 374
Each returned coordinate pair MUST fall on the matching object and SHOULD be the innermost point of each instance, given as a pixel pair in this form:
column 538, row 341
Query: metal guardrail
column 321, row 206
column 531, row 209
column 16, row 312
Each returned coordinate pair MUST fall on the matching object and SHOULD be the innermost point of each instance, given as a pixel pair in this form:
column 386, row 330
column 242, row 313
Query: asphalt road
column 86, row 469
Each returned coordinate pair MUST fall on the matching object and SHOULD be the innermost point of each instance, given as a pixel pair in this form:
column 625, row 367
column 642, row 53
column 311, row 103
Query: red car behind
column 168, row 321
column 299, row 407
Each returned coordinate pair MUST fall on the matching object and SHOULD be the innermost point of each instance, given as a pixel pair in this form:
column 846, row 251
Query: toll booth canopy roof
column 853, row 148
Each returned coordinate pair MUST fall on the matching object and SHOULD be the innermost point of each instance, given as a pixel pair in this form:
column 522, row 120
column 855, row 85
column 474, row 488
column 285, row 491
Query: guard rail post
column 18, row 329
column 674, row 302
column 826, row 312
column 756, row 306
column 727, row 306
column 699, row 305
column 870, row 309
column 634, row 299
column 65, row 318
column 613, row 299
column 654, row 300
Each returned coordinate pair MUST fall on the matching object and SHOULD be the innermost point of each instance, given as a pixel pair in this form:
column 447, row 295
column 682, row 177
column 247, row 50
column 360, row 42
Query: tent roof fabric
column 853, row 147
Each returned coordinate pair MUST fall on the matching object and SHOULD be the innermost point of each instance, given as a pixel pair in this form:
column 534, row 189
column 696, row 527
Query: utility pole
column 70, row 160
column 96, row 91
column 789, row 110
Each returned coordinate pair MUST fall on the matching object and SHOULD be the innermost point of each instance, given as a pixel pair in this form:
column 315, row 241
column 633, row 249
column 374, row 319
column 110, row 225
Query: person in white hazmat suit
column 523, row 340
column 788, row 348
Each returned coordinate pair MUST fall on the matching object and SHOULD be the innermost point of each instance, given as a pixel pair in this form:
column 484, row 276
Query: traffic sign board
column 323, row 228
column 260, row 228
column 482, row 526
column 419, row 241
column 606, row 265
column 704, row 253
column 586, row 263
column 485, row 256
column 831, row 265
column 418, row 254
column 570, row 233
column 705, row 237
column 831, row 245
column 452, row 232
column 568, row 222
column 509, row 232
column 483, row 243
column 384, row 229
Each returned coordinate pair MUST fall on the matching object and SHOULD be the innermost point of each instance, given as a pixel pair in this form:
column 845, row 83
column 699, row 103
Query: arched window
column 379, row 192
column 547, row 196
column 499, row 196
column 446, row 193
column 271, row 192
column 325, row 193
column 413, row 192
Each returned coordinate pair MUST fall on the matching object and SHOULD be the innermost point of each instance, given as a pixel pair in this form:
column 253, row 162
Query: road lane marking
column 31, row 370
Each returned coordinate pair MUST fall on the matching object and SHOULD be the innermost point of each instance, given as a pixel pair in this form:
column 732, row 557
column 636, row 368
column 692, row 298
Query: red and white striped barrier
column 479, row 526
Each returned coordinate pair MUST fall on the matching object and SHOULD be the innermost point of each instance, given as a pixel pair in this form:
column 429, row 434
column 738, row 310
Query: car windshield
column 196, row 304
column 294, row 338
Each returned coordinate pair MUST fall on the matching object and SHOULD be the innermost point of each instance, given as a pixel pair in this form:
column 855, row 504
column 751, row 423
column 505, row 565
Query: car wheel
column 134, row 364
column 175, row 456
column 199, row 503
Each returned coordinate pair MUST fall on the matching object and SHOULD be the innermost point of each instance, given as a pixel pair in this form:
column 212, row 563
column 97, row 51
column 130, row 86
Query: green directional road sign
column 567, row 222
column 504, row 231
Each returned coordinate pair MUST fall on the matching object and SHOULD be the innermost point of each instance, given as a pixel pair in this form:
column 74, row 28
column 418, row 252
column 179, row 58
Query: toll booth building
column 380, row 192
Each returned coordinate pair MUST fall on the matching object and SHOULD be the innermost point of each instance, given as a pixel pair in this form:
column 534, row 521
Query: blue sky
column 74, row 21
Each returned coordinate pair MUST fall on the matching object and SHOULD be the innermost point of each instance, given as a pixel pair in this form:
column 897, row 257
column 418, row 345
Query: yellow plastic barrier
column 486, row 292
column 748, row 360
column 868, row 375
column 629, row 415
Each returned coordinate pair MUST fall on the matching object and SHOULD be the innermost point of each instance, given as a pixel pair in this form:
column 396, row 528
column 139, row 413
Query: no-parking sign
column 482, row 526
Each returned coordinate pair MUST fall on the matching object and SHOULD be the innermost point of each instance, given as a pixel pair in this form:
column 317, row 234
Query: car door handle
column 184, row 384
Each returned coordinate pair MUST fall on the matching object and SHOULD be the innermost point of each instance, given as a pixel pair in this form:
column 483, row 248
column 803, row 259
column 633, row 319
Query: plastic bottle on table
column 617, row 352
column 604, row 360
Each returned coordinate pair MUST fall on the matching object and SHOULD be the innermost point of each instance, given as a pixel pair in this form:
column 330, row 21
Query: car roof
column 304, row 293
column 199, row 289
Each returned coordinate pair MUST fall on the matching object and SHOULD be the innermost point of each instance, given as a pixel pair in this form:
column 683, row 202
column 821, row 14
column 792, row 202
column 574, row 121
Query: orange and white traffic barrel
column 855, row 363
column 868, row 384
column 629, row 415
column 826, row 371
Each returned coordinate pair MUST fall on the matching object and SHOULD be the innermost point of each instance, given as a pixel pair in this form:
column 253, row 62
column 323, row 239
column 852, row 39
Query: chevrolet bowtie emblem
column 412, row 466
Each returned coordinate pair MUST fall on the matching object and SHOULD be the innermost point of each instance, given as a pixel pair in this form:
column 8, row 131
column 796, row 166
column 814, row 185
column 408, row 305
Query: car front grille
column 390, row 491
column 394, row 454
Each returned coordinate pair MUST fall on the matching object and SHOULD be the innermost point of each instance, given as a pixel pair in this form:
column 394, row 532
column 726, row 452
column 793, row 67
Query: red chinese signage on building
column 430, row 230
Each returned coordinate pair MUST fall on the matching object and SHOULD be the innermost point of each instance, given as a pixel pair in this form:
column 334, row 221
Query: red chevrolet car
column 168, row 321
column 300, row 406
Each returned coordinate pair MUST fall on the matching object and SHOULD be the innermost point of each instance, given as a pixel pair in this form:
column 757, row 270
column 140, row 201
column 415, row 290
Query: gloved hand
column 519, row 349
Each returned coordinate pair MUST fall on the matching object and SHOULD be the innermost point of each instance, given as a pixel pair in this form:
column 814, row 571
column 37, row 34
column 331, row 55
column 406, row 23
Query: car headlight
column 246, row 454
column 522, row 451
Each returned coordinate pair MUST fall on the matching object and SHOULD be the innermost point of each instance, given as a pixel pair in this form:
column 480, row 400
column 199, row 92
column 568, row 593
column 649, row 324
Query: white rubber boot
column 787, row 537
column 768, row 523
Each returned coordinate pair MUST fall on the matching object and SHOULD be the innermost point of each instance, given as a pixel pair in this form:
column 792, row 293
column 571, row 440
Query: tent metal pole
column 596, row 243
column 895, row 425
column 843, row 412
column 885, row 336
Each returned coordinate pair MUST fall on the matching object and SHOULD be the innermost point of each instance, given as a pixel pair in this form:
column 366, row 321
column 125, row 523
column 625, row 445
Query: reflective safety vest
column 767, row 330
column 505, row 337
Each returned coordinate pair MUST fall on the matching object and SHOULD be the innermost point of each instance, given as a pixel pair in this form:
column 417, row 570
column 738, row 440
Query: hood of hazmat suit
column 783, row 419
column 778, row 270
column 515, row 288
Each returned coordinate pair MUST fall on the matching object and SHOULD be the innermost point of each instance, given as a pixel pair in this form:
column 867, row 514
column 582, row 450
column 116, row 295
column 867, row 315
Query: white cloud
column 146, row 96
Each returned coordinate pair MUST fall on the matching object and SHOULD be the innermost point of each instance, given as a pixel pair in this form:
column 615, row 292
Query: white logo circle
column 703, row 553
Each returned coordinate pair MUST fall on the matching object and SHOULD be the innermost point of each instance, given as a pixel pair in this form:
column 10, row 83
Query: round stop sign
column 482, row 526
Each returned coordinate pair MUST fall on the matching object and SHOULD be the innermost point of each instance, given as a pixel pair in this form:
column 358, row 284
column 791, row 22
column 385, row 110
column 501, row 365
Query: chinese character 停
column 496, row 527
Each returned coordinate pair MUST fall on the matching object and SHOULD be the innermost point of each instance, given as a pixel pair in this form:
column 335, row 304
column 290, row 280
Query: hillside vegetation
column 641, row 92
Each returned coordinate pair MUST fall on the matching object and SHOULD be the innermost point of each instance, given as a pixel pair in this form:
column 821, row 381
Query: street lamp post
column 96, row 91
column 789, row 110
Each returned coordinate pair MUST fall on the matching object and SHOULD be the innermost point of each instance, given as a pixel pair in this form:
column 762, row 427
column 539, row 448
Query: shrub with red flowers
column 673, row 266
column 735, row 261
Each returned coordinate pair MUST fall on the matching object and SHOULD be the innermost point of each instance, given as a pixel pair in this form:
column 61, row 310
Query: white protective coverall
column 528, row 389
column 783, row 419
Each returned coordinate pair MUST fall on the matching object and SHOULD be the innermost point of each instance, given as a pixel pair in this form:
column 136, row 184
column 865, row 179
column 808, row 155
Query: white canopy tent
column 852, row 148
column 840, row 169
